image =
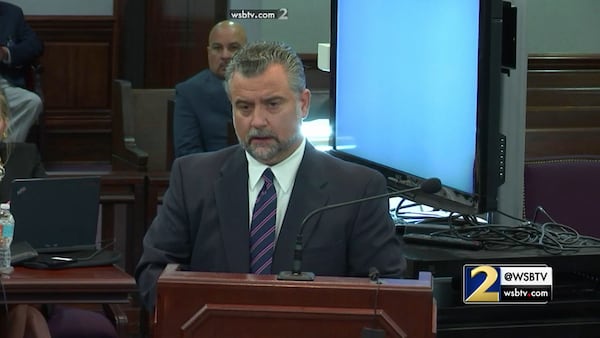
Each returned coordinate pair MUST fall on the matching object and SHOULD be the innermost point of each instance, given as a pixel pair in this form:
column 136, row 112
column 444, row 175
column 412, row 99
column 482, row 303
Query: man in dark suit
column 19, row 47
column 202, row 109
column 206, row 221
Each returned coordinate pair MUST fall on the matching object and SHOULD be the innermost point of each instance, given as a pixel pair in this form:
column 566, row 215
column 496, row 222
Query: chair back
column 152, row 125
column 567, row 188
column 142, row 138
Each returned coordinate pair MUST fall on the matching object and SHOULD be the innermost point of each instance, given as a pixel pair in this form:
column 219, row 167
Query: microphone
column 429, row 186
column 374, row 275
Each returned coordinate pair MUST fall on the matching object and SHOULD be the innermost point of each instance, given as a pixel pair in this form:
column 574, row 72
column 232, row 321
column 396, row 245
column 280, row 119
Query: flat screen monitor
column 416, row 91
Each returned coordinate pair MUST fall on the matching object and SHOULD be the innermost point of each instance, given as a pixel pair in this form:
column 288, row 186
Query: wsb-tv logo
column 510, row 284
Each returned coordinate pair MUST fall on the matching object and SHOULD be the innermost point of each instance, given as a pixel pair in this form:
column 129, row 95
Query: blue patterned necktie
column 262, row 227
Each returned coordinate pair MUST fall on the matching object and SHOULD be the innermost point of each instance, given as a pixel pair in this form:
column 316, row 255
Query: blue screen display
column 406, row 86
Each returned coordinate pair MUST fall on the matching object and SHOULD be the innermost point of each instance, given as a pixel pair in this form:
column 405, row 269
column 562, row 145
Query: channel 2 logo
column 509, row 284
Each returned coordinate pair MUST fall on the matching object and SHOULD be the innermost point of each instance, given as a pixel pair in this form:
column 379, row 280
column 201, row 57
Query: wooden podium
column 202, row 304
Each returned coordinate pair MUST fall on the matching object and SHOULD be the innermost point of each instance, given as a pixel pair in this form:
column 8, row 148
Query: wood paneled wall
column 79, row 64
column 177, row 37
column 563, row 105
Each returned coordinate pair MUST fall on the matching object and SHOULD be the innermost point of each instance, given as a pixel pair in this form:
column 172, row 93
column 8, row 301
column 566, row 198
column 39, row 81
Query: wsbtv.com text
column 259, row 14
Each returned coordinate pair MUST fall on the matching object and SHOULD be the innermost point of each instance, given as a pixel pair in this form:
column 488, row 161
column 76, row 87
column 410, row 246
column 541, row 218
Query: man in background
column 19, row 47
column 202, row 109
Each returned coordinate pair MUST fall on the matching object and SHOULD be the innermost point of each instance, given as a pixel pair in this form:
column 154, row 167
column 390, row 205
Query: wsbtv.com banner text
column 510, row 284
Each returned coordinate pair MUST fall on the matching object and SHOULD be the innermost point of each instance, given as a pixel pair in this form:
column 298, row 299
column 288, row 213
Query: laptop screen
column 56, row 214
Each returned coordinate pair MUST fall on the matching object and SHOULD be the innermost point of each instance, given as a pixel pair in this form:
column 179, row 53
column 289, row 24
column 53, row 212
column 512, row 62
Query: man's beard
column 268, row 153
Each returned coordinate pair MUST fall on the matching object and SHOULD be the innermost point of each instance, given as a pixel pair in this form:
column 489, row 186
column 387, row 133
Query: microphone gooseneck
column 373, row 332
column 429, row 186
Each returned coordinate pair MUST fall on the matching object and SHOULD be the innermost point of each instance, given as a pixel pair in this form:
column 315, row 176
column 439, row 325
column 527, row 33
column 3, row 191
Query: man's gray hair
column 254, row 58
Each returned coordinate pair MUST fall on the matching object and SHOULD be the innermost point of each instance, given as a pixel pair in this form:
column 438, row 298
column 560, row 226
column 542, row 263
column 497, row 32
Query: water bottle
column 7, row 230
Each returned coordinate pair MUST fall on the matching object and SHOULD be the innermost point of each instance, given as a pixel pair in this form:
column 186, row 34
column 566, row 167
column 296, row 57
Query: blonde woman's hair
column 3, row 106
column 4, row 114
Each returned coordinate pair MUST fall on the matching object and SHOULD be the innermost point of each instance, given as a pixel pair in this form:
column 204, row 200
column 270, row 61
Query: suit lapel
column 231, row 193
column 308, row 194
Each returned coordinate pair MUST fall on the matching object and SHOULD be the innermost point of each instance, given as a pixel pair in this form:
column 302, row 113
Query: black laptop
column 56, row 214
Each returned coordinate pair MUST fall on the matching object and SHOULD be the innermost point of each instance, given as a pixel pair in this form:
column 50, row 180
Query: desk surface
column 435, row 253
column 443, row 261
column 103, row 284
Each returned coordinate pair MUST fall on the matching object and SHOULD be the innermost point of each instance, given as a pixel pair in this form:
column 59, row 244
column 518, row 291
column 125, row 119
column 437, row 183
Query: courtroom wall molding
column 563, row 61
